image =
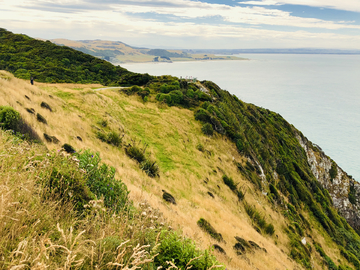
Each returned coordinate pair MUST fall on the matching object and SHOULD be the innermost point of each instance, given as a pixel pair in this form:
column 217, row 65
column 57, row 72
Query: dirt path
column 105, row 88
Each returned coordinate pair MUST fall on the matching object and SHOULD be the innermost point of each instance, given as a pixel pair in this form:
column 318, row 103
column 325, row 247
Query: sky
column 191, row 24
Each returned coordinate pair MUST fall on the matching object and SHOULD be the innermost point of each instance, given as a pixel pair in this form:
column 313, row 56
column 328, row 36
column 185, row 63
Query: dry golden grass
column 171, row 135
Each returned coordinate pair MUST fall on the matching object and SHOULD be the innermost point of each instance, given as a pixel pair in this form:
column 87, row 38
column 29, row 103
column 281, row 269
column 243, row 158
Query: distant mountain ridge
column 275, row 51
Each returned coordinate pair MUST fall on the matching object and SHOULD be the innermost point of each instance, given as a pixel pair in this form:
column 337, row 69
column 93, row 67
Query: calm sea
column 318, row 94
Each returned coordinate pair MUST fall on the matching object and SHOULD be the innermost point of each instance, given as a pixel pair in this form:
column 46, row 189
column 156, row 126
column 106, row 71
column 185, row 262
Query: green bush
column 69, row 185
column 135, row 89
column 333, row 171
column 111, row 137
column 240, row 194
column 164, row 97
column 259, row 219
column 100, row 178
column 200, row 147
column 202, row 115
column 274, row 191
column 150, row 168
column 207, row 129
column 9, row 118
column 182, row 252
column 269, row 229
column 229, row 182
column 176, row 97
column 352, row 194
column 135, row 153
column 114, row 138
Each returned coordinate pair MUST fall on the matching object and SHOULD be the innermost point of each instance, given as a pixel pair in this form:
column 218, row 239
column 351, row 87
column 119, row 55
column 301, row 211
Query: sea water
column 318, row 94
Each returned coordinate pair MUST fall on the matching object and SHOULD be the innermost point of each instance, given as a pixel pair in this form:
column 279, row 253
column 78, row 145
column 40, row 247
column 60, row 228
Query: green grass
column 64, row 95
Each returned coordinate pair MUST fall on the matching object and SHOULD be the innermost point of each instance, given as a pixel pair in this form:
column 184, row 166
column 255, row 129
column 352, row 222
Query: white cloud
column 122, row 20
column 348, row 5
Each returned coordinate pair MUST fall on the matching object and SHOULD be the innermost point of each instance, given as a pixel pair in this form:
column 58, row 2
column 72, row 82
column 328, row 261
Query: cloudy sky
column 227, row 24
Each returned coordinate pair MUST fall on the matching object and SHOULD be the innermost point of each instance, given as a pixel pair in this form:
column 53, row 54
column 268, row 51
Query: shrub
column 207, row 129
column 200, row 147
column 202, row 115
column 352, row 194
column 103, row 123
column 274, row 191
column 9, row 118
column 101, row 136
column 100, row 178
column 176, row 97
column 144, row 93
column 135, row 89
column 333, row 171
column 114, row 138
column 269, row 229
column 41, row 119
column 111, row 137
column 69, row 185
column 150, row 168
column 135, row 153
column 206, row 227
column 164, row 97
column 240, row 194
column 46, row 106
column 182, row 252
column 229, row 182
column 68, row 148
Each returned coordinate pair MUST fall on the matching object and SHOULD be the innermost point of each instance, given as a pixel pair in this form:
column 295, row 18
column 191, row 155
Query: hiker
column 32, row 81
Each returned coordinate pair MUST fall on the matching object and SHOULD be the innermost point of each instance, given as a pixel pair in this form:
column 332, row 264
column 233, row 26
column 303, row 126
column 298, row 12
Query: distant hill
column 274, row 51
column 47, row 62
column 118, row 52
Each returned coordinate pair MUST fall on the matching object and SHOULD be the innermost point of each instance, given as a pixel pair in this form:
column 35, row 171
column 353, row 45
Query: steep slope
column 191, row 166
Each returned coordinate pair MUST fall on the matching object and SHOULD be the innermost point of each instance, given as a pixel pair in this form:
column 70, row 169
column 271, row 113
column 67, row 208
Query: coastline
column 134, row 60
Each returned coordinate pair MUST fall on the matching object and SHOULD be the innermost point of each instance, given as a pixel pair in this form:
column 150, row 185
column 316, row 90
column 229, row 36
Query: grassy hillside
column 191, row 167
column 238, row 173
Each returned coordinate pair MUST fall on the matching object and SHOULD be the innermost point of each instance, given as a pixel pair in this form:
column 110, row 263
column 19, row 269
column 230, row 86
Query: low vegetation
column 69, row 211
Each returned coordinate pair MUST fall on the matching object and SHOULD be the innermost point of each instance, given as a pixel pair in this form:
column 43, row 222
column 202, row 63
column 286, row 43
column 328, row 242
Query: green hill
column 46, row 62
column 245, row 180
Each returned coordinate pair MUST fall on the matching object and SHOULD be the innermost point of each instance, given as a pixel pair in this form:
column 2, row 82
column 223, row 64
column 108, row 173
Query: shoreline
column 180, row 61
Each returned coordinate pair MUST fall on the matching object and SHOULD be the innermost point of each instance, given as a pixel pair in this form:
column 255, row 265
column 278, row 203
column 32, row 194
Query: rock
column 47, row 137
column 41, row 119
column 219, row 249
column 31, row 110
column 341, row 188
column 51, row 139
column 303, row 241
column 46, row 106
column 168, row 197
column 68, row 148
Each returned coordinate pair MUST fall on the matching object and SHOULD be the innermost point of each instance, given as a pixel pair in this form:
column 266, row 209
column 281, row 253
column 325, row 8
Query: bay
column 318, row 94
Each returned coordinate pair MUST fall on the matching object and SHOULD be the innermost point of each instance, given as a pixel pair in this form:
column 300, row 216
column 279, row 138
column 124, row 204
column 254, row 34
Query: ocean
column 318, row 94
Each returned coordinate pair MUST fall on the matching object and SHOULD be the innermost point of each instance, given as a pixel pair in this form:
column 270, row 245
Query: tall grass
column 41, row 228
